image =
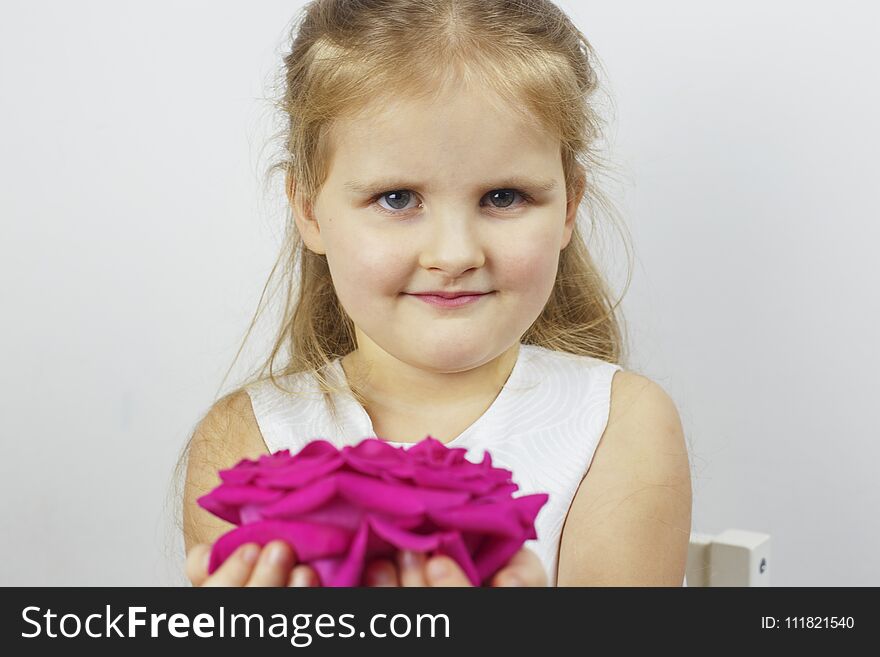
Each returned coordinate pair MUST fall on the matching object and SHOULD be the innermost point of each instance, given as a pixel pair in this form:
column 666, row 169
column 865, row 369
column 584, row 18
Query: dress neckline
column 365, row 420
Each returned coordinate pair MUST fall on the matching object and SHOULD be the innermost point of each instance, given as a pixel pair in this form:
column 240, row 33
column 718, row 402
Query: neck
column 393, row 386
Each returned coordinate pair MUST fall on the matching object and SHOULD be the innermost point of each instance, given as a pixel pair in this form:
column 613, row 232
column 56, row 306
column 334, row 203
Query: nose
column 452, row 243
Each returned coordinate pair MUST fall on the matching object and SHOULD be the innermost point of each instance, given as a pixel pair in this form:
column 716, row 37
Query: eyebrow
column 386, row 184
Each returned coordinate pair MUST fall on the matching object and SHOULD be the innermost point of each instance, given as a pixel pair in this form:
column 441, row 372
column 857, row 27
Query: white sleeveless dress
column 544, row 426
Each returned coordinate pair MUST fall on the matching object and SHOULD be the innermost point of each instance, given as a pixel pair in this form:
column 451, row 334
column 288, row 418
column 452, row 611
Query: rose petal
column 326, row 568
column 372, row 494
column 473, row 541
column 232, row 494
column 402, row 474
column 498, row 494
column 438, row 499
column 302, row 472
column 429, row 477
column 316, row 447
column 373, row 449
column 495, row 518
column 239, row 476
column 494, row 554
column 402, row 539
column 225, row 500
column 374, row 457
column 451, row 544
column 428, row 450
column 528, row 507
column 268, row 461
column 219, row 509
column 339, row 513
column 302, row 500
column 309, row 541
column 348, row 573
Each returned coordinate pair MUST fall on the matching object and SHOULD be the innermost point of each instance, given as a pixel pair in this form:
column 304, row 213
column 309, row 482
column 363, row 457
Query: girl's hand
column 250, row 566
column 413, row 569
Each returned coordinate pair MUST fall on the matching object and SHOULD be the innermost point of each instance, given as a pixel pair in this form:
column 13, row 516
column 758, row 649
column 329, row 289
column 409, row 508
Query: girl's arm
column 630, row 521
column 227, row 434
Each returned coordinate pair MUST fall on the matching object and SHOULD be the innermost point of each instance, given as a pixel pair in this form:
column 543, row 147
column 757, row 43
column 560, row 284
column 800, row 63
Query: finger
column 237, row 567
column 444, row 571
column 382, row 572
column 303, row 576
column 523, row 569
column 197, row 563
column 273, row 566
column 412, row 568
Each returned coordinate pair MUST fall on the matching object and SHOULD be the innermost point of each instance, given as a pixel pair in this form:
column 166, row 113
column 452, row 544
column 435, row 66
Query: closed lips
column 450, row 295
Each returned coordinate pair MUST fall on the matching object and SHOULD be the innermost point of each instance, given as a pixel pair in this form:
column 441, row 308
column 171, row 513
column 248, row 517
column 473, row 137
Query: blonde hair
column 347, row 58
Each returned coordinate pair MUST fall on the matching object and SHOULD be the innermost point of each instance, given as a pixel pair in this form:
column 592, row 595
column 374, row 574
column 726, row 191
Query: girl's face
column 451, row 195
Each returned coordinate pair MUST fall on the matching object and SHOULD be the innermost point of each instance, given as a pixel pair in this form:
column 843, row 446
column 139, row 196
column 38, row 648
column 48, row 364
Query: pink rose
column 341, row 509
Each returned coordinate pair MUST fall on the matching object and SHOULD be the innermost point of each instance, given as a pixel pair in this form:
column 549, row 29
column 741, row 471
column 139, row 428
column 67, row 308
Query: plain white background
column 137, row 237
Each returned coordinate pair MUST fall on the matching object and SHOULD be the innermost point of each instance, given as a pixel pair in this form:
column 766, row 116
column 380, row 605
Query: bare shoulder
column 638, row 401
column 226, row 434
column 629, row 522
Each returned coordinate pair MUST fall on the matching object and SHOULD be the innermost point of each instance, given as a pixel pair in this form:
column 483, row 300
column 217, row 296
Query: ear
column 571, row 207
column 306, row 223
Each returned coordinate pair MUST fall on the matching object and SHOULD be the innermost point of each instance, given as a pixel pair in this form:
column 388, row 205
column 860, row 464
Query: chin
column 456, row 357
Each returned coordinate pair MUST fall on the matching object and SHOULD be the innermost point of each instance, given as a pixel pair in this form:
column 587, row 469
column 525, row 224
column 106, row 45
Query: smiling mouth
column 451, row 302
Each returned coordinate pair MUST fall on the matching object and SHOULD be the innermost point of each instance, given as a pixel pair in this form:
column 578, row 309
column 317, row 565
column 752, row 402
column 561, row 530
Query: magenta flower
column 341, row 509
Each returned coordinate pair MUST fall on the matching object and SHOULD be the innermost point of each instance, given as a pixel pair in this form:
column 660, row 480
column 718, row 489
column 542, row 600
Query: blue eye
column 399, row 193
column 404, row 197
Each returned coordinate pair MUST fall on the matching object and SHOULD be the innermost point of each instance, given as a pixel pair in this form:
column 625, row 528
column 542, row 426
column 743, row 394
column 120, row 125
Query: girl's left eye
column 407, row 195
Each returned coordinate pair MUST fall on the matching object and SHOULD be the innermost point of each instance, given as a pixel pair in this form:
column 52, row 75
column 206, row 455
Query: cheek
column 529, row 265
column 363, row 268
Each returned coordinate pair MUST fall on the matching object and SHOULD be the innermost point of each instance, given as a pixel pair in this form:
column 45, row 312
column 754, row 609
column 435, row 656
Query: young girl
column 436, row 155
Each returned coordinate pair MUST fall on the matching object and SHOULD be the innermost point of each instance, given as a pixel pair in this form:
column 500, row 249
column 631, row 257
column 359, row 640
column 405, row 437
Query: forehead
column 452, row 137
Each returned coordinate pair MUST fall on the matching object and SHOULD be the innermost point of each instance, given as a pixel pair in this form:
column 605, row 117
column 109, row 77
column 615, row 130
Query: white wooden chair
column 735, row 557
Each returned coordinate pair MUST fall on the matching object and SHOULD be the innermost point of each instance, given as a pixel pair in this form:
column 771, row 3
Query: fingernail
column 380, row 578
column 438, row 568
column 408, row 559
column 511, row 580
column 250, row 552
column 301, row 578
column 207, row 561
column 277, row 553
